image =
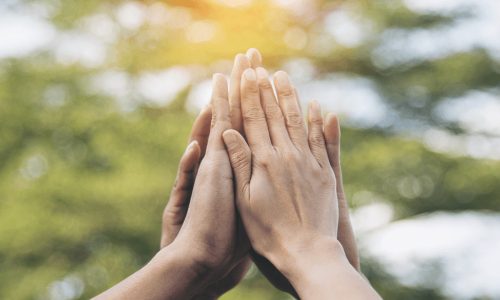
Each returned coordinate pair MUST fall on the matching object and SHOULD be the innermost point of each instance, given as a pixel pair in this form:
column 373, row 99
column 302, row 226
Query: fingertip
column 191, row 157
column 250, row 75
column 243, row 61
column 229, row 137
column 206, row 109
column 195, row 146
column 255, row 57
column 281, row 77
column 332, row 128
column 332, row 119
column 219, row 78
column 315, row 107
column 190, row 146
column 261, row 73
column 220, row 87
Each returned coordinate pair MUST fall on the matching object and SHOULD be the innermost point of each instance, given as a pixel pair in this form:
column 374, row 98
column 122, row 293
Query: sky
column 465, row 245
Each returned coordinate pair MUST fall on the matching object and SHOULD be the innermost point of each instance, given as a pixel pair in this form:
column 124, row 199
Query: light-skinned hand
column 284, row 187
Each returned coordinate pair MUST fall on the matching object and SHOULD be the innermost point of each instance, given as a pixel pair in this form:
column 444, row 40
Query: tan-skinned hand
column 212, row 200
column 177, row 207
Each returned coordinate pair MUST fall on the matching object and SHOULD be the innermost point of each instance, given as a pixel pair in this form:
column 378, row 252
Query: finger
column 177, row 207
column 293, row 119
column 201, row 129
column 299, row 104
column 345, row 232
column 221, row 120
column 254, row 119
column 316, row 136
column 332, row 139
column 241, row 63
column 274, row 116
column 255, row 58
column 241, row 160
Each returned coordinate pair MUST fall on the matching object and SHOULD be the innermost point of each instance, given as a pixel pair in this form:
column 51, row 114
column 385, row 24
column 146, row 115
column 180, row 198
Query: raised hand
column 281, row 166
column 177, row 207
column 284, row 181
column 345, row 232
column 212, row 201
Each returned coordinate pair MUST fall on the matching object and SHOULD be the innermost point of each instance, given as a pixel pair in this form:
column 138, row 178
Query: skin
column 183, row 270
column 177, row 207
column 199, row 256
column 283, row 179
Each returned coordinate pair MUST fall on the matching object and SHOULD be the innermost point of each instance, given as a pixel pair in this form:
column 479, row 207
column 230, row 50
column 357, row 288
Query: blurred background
column 97, row 99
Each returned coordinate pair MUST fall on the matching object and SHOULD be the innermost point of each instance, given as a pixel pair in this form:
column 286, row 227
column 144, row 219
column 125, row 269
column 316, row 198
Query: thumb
column 240, row 157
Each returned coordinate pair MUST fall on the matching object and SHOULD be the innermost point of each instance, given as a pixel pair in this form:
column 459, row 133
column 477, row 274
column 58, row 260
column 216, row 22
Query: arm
column 171, row 274
column 211, row 242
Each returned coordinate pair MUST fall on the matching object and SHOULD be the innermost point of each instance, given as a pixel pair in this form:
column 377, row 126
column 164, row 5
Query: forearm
column 169, row 275
column 325, row 273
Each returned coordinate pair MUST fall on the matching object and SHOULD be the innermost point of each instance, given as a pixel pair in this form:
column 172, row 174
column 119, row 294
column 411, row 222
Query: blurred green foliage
column 83, row 184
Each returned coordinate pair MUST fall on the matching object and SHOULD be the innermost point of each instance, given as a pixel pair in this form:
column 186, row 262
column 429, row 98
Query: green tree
column 85, row 173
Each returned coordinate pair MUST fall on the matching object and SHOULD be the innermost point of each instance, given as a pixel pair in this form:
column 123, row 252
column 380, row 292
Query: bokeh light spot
column 201, row 31
column 295, row 38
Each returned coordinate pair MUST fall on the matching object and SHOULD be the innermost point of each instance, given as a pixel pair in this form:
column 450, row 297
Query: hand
column 282, row 165
column 283, row 184
column 197, row 261
column 177, row 207
column 345, row 232
column 210, row 227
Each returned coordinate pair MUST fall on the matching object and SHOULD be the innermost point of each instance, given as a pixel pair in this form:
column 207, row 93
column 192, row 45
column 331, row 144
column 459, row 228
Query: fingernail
column 250, row 74
column 190, row 146
column 230, row 139
column 281, row 77
column 315, row 105
column 262, row 73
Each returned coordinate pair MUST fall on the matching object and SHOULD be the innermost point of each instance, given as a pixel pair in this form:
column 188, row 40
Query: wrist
column 319, row 268
column 305, row 257
column 185, row 266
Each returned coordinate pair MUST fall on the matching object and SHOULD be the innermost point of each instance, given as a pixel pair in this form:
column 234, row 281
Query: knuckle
column 273, row 112
column 224, row 118
column 291, row 156
column 252, row 114
column 264, row 157
column 265, row 161
column 316, row 139
column 287, row 93
column 315, row 120
column 265, row 85
column 293, row 118
column 217, row 99
column 328, row 178
column 238, row 158
column 250, row 88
